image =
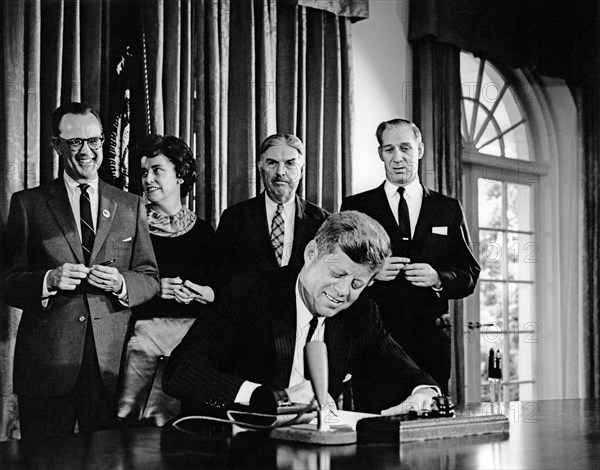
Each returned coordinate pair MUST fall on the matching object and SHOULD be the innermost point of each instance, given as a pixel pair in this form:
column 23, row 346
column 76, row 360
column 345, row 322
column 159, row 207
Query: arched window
column 500, row 172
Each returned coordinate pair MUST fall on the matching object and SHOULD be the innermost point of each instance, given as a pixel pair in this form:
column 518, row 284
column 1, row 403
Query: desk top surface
column 552, row 434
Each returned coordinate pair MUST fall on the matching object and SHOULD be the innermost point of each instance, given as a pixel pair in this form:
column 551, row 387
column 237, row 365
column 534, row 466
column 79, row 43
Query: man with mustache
column 272, row 229
column 431, row 259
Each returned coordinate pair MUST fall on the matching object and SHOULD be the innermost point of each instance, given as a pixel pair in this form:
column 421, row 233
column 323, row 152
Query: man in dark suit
column 247, row 347
column 79, row 256
column 272, row 229
column 432, row 260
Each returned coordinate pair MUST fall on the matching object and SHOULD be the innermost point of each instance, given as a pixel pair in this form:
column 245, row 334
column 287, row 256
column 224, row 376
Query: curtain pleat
column 14, row 169
column 51, row 66
column 588, row 104
column 436, row 106
column 32, row 129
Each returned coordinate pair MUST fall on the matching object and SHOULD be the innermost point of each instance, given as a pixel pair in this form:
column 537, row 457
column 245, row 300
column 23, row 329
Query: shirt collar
column 303, row 315
column 73, row 186
column 288, row 207
column 411, row 190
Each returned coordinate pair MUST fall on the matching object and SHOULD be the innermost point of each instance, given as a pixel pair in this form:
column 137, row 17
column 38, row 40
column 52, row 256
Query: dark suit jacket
column 41, row 234
column 249, row 333
column 244, row 240
column 410, row 313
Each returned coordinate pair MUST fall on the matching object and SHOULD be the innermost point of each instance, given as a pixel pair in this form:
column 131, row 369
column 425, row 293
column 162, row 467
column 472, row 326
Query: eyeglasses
column 77, row 143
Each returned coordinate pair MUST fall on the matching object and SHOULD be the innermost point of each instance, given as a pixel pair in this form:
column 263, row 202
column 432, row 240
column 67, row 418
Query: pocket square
column 128, row 239
column 440, row 230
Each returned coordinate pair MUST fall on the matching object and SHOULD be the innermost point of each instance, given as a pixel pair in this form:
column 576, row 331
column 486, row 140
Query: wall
column 382, row 83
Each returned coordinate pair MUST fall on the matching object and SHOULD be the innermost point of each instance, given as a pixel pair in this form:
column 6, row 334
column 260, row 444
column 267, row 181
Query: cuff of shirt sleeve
column 123, row 297
column 245, row 392
column 45, row 292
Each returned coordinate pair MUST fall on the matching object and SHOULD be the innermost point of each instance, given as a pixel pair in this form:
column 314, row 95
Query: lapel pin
column 105, row 213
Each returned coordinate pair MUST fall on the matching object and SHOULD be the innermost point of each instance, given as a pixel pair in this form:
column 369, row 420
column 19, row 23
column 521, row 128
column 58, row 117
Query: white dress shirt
column 289, row 216
column 413, row 194
column 74, row 193
column 303, row 318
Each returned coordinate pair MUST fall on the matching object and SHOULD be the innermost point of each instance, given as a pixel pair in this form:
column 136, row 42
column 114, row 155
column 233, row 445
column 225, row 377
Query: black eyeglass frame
column 75, row 147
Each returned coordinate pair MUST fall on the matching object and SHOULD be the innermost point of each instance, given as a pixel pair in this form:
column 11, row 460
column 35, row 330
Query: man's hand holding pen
column 106, row 277
column 185, row 291
column 391, row 268
column 69, row 275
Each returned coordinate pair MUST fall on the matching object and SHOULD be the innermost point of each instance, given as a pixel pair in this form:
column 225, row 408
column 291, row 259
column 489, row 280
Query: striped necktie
column 277, row 229
column 87, row 225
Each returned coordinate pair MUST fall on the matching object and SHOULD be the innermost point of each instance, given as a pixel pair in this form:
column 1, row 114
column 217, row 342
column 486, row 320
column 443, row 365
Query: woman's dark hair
column 178, row 153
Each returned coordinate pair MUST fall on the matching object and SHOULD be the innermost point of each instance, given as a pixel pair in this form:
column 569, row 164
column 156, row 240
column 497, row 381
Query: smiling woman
column 184, row 248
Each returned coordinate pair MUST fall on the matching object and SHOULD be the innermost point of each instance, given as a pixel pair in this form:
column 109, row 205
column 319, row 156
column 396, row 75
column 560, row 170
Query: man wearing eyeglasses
column 79, row 257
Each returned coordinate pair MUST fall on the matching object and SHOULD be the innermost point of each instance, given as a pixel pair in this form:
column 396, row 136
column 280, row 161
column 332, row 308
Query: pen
column 106, row 263
column 193, row 290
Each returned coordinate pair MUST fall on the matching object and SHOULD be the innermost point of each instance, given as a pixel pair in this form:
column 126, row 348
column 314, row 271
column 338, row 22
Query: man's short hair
column 177, row 152
column 277, row 139
column 394, row 123
column 359, row 236
column 71, row 108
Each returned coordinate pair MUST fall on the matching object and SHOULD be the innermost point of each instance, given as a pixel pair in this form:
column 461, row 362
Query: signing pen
column 193, row 290
column 106, row 263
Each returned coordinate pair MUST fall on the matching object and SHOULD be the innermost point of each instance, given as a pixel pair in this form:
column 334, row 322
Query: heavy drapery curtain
column 261, row 66
column 435, row 109
column 556, row 39
column 588, row 104
column 220, row 74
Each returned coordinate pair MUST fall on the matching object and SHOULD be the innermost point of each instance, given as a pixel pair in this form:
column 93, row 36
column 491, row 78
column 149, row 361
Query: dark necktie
column 311, row 331
column 87, row 225
column 403, row 216
column 277, row 228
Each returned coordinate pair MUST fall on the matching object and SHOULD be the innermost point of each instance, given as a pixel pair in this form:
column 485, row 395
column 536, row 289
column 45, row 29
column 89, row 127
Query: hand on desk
column 391, row 267
column 420, row 400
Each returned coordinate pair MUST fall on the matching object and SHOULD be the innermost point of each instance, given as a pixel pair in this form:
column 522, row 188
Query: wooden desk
column 553, row 434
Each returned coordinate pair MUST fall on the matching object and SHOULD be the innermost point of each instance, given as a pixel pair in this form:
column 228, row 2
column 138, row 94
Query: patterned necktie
column 403, row 216
column 87, row 226
column 277, row 228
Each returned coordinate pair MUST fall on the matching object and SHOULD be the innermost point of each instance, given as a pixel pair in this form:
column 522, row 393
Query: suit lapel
column 60, row 206
column 385, row 216
column 107, row 207
column 283, row 311
column 338, row 348
column 299, row 229
column 261, row 238
column 426, row 214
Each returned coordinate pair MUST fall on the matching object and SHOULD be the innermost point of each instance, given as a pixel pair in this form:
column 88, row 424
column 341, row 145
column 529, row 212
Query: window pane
column 519, row 306
column 522, row 256
column 491, row 299
column 515, row 143
column 490, row 203
column 491, row 148
column 518, row 212
column 490, row 254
